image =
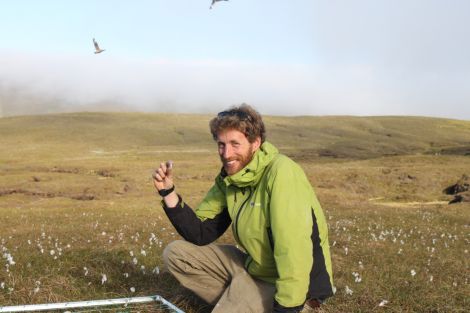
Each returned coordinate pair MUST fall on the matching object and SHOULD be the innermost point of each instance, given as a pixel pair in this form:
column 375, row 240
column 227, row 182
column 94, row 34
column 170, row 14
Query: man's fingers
column 161, row 172
column 169, row 167
column 164, row 171
column 157, row 176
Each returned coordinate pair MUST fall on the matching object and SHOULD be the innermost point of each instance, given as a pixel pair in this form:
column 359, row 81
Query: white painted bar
column 87, row 304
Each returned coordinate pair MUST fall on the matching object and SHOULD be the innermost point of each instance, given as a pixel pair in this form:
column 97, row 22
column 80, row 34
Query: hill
column 302, row 137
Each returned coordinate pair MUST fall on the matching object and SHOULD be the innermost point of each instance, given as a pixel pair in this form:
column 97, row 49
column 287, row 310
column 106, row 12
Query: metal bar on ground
column 87, row 304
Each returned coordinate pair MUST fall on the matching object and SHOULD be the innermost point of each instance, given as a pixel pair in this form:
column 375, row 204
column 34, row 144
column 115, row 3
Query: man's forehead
column 230, row 135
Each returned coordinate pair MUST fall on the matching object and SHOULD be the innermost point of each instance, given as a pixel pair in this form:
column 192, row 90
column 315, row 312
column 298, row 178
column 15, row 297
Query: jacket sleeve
column 204, row 226
column 291, row 226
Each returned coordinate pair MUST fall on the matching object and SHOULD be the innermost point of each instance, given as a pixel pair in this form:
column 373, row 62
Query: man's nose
column 227, row 153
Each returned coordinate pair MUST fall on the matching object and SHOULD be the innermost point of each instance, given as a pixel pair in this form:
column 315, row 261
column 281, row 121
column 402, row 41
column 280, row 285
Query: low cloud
column 32, row 84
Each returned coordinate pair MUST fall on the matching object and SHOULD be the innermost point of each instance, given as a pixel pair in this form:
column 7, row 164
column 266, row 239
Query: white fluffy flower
column 104, row 278
column 383, row 303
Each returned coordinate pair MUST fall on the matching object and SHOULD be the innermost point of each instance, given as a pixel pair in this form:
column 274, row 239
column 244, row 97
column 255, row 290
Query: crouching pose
column 283, row 264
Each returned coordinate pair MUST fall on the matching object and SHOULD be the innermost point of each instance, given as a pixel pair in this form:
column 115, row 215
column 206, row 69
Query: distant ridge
column 300, row 137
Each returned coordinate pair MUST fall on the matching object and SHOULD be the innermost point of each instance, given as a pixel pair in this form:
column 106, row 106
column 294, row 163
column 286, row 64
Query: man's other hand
column 163, row 177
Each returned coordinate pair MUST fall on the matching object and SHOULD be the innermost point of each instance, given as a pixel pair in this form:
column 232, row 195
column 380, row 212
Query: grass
column 77, row 203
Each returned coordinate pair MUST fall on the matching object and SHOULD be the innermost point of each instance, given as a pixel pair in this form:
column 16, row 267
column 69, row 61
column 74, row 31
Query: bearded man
column 283, row 264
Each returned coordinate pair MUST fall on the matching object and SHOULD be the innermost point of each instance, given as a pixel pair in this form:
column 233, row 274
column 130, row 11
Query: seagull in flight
column 97, row 48
column 214, row 1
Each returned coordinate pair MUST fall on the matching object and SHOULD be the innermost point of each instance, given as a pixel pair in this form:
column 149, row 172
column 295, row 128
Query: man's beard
column 241, row 162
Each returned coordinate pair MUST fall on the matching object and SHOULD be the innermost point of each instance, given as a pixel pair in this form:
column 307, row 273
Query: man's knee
column 178, row 249
column 172, row 250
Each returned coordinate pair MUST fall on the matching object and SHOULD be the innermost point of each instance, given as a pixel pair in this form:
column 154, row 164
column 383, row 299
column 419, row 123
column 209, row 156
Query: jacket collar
column 252, row 172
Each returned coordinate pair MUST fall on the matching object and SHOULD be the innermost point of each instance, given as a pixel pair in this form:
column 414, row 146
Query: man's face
column 235, row 150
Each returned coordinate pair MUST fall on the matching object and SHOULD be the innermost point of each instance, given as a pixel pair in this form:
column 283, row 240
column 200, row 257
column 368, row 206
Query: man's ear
column 257, row 143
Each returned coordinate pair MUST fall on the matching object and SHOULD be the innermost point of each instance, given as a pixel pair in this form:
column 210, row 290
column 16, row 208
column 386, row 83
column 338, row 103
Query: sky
column 296, row 57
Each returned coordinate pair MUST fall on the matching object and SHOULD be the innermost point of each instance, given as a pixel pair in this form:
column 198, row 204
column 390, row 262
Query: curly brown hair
column 243, row 118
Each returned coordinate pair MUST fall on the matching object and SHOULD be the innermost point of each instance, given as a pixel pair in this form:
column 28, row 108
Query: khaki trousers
column 216, row 274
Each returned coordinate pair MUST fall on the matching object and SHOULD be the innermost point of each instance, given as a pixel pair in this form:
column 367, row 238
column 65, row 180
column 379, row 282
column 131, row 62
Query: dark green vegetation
column 77, row 203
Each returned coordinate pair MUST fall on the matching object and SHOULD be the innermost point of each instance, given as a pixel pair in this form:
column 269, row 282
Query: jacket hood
column 252, row 172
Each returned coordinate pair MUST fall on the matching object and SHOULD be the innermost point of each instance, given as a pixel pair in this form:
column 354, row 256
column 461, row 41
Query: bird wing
column 97, row 48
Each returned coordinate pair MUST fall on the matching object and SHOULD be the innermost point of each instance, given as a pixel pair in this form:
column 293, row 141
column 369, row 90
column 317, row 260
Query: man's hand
column 163, row 180
column 162, row 176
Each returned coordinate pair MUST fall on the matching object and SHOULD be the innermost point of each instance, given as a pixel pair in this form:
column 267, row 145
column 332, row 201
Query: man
column 276, row 219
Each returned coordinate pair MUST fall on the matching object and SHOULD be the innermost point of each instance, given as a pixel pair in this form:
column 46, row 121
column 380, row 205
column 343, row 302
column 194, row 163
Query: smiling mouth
column 230, row 162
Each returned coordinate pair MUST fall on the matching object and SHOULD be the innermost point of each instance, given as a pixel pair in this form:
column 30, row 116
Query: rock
column 405, row 177
column 462, row 185
column 461, row 197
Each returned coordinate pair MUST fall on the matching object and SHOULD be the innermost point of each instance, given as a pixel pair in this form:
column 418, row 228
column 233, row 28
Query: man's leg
column 216, row 274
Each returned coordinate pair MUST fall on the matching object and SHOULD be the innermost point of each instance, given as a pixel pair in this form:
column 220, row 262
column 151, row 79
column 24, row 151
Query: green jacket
column 278, row 221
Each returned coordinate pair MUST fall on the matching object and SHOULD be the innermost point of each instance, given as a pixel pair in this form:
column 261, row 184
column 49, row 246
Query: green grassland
column 79, row 218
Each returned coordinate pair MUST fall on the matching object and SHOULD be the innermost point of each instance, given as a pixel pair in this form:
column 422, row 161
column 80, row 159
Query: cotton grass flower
column 132, row 289
column 383, row 303
column 104, row 278
column 9, row 259
column 357, row 277
column 413, row 272
column 348, row 291
column 38, row 284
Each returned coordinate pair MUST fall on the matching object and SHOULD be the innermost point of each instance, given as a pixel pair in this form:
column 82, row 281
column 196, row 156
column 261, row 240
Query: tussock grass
column 77, row 203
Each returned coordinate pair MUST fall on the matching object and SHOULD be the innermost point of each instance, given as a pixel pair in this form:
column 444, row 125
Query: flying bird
column 214, row 1
column 97, row 48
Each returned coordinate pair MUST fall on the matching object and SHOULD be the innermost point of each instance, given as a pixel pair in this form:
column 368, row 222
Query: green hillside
column 302, row 137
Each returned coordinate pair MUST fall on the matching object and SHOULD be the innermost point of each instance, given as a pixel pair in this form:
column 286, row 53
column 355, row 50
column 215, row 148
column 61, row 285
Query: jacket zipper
column 238, row 216
column 249, row 263
column 270, row 238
